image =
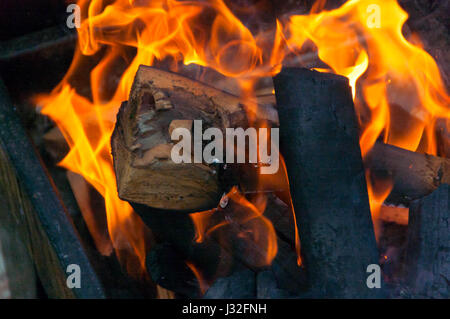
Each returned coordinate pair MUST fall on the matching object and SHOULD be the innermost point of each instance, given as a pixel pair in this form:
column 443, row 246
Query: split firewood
column 413, row 175
column 428, row 249
column 319, row 141
column 159, row 102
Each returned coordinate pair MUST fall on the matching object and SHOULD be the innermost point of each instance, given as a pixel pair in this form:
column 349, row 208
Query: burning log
column 162, row 191
column 267, row 287
column 141, row 143
column 394, row 214
column 168, row 269
column 428, row 251
column 319, row 141
column 156, row 187
column 414, row 175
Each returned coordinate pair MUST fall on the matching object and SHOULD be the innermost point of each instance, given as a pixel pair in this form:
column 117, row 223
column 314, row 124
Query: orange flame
column 396, row 72
column 203, row 284
column 244, row 219
column 378, row 191
column 396, row 85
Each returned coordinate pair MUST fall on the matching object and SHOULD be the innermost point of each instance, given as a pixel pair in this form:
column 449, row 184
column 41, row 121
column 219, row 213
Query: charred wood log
column 319, row 141
column 168, row 269
column 178, row 230
column 428, row 250
column 414, row 175
column 239, row 285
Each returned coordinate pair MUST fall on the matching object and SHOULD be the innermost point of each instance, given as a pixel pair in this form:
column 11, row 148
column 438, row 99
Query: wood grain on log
column 159, row 102
column 141, row 141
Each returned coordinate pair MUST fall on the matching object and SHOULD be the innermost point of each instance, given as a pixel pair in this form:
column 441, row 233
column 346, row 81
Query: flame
column 203, row 284
column 396, row 72
column 378, row 191
column 396, row 85
column 237, row 216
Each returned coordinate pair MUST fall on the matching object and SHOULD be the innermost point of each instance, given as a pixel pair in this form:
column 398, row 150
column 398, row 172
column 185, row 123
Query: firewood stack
column 163, row 193
column 327, row 185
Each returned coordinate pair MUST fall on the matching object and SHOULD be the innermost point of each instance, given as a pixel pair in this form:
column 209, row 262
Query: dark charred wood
column 319, row 141
column 240, row 285
column 170, row 271
column 281, row 217
column 267, row 287
column 178, row 230
column 428, row 250
column 224, row 251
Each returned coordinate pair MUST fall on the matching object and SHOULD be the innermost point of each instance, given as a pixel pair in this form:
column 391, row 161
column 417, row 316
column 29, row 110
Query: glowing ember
column 388, row 74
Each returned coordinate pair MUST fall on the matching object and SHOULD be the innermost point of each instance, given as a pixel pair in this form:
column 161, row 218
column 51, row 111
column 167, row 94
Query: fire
column 391, row 72
column 203, row 285
column 236, row 215
column 378, row 191
column 396, row 85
